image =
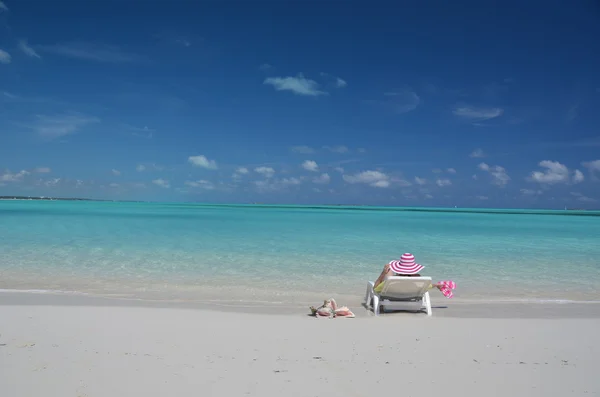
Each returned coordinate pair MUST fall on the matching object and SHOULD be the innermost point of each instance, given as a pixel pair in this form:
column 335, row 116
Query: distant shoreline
column 349, row 207
column 44, row 198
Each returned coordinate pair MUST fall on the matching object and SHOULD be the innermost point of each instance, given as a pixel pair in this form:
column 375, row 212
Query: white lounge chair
column 400, row 293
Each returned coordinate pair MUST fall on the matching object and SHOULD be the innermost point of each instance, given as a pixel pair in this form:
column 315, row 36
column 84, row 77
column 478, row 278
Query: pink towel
column 447, row 287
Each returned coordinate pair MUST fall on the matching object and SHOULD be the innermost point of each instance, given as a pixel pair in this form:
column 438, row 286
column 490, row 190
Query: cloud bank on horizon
column 402, row 109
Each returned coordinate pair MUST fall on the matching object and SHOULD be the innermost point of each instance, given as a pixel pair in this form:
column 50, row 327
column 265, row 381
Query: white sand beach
column 72, row 347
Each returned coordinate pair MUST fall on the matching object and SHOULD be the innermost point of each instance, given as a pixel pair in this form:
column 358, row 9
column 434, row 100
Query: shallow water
column 287, row 253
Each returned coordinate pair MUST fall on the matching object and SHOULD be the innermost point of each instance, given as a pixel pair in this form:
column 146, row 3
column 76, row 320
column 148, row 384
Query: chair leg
column 427, row 301
column 368, row 295
column 376, row 306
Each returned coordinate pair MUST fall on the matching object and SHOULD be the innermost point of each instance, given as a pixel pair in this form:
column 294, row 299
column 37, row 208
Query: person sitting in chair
column 405, row 267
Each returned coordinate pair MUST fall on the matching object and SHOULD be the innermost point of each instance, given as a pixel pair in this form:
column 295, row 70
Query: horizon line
column 365, row 207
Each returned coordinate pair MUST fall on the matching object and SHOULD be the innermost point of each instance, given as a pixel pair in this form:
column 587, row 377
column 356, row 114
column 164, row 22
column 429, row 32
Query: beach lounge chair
column 400, row 293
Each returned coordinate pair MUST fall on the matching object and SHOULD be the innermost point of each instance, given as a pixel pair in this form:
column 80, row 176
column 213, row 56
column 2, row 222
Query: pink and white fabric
column 330, row 309
column 406, row 265
column 447, row 287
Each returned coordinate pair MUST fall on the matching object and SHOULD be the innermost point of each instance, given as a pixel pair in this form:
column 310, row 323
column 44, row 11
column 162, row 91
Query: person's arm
column 384, row 272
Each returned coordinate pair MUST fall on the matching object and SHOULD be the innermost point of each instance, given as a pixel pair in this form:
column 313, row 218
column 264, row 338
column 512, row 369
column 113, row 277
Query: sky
column 468, row 104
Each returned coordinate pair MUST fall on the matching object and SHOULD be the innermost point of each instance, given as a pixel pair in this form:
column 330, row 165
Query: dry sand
column 115, row 350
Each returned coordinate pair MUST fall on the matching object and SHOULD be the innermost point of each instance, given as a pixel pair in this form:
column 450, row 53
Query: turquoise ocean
column 292, row 254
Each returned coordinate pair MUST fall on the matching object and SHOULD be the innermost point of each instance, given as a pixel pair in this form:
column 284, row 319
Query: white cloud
column 578, row 177
column 400, row 182
column 498, row 173
column 3, row 6
column 203, row 162
column 241, row 171
column 113, row 184
column 51, row 182
column 371, row 178
column 5, row 57
column 51, row 127
column 428, row 196
column 382, row 184
column 587, row 199
column 271, row 185
column 265, row 66
column 322, row 179
column 409, row 102
column 267, row 172
column 581, row 197
column 477, row 114
column 401, row 101
column 337, row 82
column 202, row 184
column 142, row 132
column 42, row 170
column 436, row 171
column 264, row 185
column 530, row 192
column 140, row 168
column 443, row 182
column 481, row 197
column 162, row 183
column 339, row 169
column 474, row 176
column 116, row 172
column 303, row 149
column 420, row 181
column 90, row 52
column 337, row 149
column 554, row 173
column 290, row 181
column 477, row 153
column 27, row 50
column 501, row 178
column 10, row 177
column 299, row 85
column 451, row 171
column 310, row 165
column 592, row 166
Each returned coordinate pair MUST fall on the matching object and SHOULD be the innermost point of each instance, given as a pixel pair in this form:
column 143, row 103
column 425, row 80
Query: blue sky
column 394, row 103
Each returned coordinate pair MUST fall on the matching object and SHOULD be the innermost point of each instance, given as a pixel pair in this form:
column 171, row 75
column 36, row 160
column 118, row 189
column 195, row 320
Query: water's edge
column 476, row 309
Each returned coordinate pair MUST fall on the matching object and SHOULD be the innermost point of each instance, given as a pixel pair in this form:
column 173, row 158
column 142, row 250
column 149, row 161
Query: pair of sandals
column 329, row 309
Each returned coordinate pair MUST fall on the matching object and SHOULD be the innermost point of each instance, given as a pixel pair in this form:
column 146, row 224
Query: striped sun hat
column 406, row 265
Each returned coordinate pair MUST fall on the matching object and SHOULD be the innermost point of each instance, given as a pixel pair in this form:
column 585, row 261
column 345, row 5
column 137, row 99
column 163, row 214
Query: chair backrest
column 398, row 287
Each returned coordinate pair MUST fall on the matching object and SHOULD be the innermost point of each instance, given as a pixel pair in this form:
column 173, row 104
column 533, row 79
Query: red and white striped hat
column 406, row 265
